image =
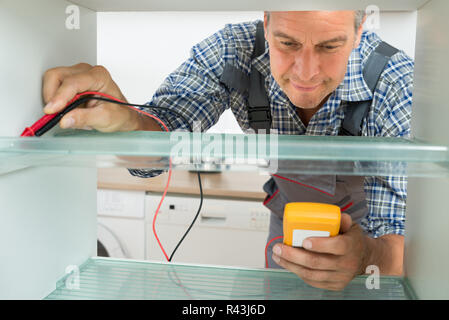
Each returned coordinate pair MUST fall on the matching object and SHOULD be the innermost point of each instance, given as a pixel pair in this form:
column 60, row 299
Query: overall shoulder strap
column 236, row 79
column 358, row 110
column 259, row 111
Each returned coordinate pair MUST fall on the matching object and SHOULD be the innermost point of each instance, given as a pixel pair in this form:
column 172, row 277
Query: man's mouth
column 304, row 88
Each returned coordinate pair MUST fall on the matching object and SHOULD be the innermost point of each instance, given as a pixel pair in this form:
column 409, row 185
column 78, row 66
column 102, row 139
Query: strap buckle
column 260, row 118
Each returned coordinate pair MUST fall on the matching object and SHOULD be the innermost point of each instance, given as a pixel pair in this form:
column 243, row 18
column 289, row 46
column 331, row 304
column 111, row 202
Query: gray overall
column 347, row 192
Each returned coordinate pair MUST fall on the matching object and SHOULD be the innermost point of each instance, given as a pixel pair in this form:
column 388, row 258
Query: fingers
column 330, row 280
column 62, row 84
column 337, row 245
column 53, row 78
column 306, row 258
column 345, row 223
column 82, row 118
column 104, row 117
column 67, row 90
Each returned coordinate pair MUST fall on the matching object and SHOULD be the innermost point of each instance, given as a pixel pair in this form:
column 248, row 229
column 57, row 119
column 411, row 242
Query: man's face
column 309, row 52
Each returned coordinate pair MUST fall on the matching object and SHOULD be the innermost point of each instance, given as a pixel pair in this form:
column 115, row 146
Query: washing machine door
column 108, row 243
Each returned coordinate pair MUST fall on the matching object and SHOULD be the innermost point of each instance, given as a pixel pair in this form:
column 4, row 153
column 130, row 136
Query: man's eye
column 287, row 43
column 330, row 48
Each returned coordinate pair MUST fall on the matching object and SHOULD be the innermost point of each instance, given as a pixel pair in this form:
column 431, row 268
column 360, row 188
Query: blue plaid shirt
column 194, row 90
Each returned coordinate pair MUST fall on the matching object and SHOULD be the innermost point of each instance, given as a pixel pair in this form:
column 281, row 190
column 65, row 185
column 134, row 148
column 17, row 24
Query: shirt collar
column 354, row 87
column 262, row 62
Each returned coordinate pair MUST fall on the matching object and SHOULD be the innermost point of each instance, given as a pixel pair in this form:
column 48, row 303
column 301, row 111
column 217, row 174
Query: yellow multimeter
column 307, row 219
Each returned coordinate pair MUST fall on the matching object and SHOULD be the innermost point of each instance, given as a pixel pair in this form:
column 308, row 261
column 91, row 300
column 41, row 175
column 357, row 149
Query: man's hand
column 61, row 84
column 327, row 263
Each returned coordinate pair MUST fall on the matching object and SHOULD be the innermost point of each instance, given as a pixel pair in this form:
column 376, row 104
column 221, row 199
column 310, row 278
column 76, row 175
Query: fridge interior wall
column 427, row 237
column 48, row 215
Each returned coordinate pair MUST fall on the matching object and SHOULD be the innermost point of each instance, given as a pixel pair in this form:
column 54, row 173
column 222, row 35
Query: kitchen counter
column 230, row 184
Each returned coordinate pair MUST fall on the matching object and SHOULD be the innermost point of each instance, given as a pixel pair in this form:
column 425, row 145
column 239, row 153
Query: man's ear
column 359, row 33
column 265, row 24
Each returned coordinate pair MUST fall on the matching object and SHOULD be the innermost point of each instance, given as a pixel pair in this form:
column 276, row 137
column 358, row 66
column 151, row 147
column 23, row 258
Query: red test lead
column 31, row 131
column 45, row 120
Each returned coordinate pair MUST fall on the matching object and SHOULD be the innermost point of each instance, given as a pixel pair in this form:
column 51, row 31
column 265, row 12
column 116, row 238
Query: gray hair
column 359, row 15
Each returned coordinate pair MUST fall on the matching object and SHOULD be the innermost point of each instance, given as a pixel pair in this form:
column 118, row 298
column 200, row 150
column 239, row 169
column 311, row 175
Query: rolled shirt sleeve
column 387, row 196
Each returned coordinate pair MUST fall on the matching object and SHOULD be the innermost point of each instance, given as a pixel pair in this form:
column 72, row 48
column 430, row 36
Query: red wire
column 266, row 248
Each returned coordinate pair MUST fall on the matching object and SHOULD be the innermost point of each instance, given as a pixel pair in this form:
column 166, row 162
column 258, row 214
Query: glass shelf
column 105, row 278
column 364, row 156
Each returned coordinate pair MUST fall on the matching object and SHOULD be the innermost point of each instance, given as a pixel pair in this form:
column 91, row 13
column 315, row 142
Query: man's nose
column 307, row 65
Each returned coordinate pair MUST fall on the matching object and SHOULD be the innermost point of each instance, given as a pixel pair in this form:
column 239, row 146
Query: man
column 312, row 68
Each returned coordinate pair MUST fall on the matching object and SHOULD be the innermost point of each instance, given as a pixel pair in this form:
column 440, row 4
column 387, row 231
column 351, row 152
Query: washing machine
column 121, row 223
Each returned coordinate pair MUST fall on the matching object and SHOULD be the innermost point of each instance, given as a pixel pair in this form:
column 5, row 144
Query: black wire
column 190, row 129
column 194, row 219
